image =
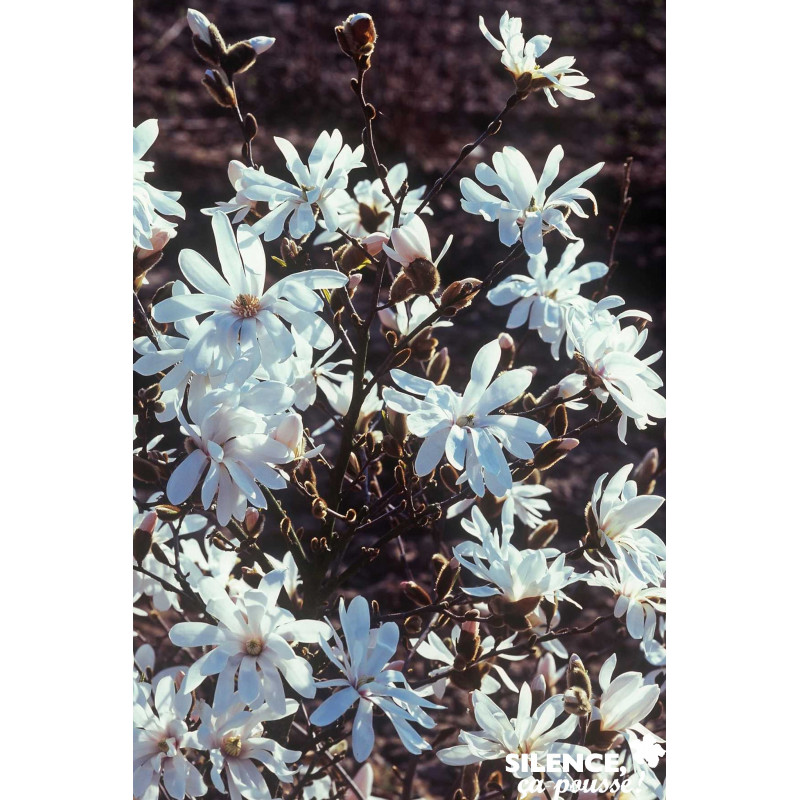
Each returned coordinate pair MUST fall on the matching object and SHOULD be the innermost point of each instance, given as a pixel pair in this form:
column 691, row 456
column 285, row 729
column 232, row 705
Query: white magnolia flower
column 159, row 738
column 246, row 321
column 320, row 186
column 253, row 640
column 340, row 395
column 241, row 178
column 624, row 702
column 532, row 733
column 234, row 446
column 233, row 735
column 463, row 427
column 149, row 202
column 371, row 681
column 521, row 58
column 406, row 317
column 162, row 535
column 523, row 501
column 618, row 514
column 434, row 649
column 370, row 211
column 527, row 210
column 542, row 300
column 306, row 373
column 637, row 601
column 411, row 242
column 514, row 574
column 608, row 353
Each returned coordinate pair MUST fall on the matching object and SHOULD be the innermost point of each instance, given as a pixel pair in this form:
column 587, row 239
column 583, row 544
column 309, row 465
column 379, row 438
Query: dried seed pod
column 319, row 508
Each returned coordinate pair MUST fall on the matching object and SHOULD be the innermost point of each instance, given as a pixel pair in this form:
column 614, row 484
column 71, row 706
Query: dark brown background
column 436, row 83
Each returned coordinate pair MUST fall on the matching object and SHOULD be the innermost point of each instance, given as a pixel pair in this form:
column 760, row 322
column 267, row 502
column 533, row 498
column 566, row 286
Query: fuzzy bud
column 414, row 592
column 560, row 420
column 402, row 289
column 459, row 295
column 645, row 472
column 143, row 536
column 413, row 625
column 447, row 579
column 577, row 702
column 542, row 535
column 252, row 522
column 357, row 36
column 219, row 88
column 551, row 452
column 423, row 275
column 239, row 58
column 438, row 367
column 577, row 676
column 166, row 511
column 469, row 641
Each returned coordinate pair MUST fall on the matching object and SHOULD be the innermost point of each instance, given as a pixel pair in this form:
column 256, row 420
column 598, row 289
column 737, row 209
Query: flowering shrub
column 271, row 480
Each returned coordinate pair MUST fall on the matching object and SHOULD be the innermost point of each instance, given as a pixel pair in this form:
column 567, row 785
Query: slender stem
column 491, row 129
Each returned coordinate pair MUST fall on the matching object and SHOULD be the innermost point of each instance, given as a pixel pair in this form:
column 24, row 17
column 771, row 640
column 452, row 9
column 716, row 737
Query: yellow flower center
column 232, row 745
column 254, row 647
column 246, row 305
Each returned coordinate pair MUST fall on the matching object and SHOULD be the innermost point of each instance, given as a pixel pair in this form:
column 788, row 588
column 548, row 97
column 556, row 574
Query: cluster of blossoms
column 271, row 436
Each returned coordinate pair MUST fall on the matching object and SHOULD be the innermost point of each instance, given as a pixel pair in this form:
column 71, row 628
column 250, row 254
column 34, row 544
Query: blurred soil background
column 436, row 83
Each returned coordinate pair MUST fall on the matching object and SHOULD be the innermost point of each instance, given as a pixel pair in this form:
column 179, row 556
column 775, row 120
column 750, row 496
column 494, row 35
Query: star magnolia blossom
column 527, row 211
column 252, row 640
column 520, row 58
column 247, row 321
column 149, row 202
column 434, row 649
column 370, row 210
column 515, row 574
column 233, row 735
column 371, row 681
column 411, row 242
column 542, row 300
column 625, row 701
column 320, row 185
column 463, row 428
column 618, row 513
column 159, row 738
column 526, row 733
column 609, row 355
column 637, row 601
column 234, row 446
column 522, row 500
column 406, row 317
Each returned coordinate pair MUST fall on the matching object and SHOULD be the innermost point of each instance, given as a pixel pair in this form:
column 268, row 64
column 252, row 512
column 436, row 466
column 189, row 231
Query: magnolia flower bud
column 552, row 452
column 506, row 341
column 459, row 295
column 252, row 521
column 469, row 641
column 423, row 275
column 357, row 36
column 374, row 243
column 290, row 432
column 261, row 44
column 577, row 676
column 447, row 578
column 577, row 702
column 414, row 592
column 199, row 24
column 402, row 289
column 543, row 535
column 438, row 367
column 219, row 88
column 143, row 536
column 538, row 690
